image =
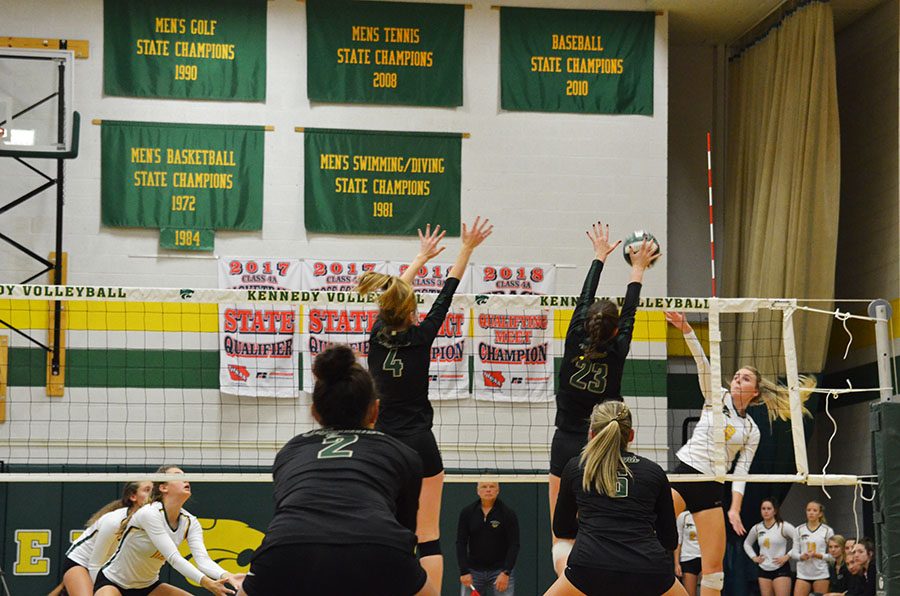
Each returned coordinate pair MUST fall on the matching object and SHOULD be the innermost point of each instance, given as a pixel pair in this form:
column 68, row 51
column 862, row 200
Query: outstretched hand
column 472, row 237
column 429, row 242
column 644, row 256
column 599, row 236
column 678, row 320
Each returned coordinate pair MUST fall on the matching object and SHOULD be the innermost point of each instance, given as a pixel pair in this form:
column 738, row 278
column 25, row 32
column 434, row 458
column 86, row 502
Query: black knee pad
column 427, row 549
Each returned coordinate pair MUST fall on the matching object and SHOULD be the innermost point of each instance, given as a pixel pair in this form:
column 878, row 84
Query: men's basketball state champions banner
column 591, row 61
column 384, row 52
column 374, row 182
column 452, row 348
column 188, row 180
column 349, row 322
column 202, row 49
column 514, row 350
column 259, row 344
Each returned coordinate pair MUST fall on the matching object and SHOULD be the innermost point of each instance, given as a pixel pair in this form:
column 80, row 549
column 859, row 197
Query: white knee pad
column 561, row 552
column 713, row 581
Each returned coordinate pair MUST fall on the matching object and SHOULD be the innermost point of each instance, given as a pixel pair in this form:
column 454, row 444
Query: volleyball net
column 216, row 381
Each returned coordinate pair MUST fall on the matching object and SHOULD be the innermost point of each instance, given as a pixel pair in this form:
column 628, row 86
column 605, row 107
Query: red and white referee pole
column 712, row 239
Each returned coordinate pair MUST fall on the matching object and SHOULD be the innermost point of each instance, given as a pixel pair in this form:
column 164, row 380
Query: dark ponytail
column 601, row 325
column 344, row 390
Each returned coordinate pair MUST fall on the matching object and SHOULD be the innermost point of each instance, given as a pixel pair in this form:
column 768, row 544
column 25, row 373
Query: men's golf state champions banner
column 348, row 323
column 375, row 182
column 384, row 52
column 259, row 343
column 186, row 179
column 576, row 61
column 202, row 49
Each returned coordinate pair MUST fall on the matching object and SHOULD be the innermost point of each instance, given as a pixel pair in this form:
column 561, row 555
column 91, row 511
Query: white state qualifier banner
column 448, row 375
column 259, row 344
column 349, row 322
column 513, row 350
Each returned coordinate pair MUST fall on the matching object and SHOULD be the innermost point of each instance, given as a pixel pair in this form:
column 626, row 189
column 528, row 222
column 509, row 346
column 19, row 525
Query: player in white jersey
column 772, row 535
column 811, row 551
column 95, row 544
column 704, row 499
column 687, row 554
column 151, row 538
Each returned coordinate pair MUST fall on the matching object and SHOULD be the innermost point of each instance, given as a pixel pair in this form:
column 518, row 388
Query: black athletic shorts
column 102, row 580
column 334, row 569
column 424, row 444
column 698, row 496
column 601, row 582
column 564, row 447
column 783, row 571
column 691, row 566
column 68, row 564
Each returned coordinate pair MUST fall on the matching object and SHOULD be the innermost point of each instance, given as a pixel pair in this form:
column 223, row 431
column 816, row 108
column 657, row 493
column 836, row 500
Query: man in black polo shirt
column 487, row 544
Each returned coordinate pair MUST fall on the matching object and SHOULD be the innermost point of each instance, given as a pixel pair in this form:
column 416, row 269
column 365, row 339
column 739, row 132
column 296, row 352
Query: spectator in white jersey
column 705, row 499
column 150, row 540
column 96, row 543
column 771, row 535
column 811, row 551
column 687, row 554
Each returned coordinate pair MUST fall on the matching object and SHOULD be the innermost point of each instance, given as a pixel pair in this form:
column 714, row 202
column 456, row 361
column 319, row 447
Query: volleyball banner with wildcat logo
column 348, row 323
column 259, row 344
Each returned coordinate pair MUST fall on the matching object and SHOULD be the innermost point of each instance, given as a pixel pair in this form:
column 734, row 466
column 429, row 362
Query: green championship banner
column 202, row 49
column 576, row 61
column 186, row 179
column 384, row 52
column 375, row 182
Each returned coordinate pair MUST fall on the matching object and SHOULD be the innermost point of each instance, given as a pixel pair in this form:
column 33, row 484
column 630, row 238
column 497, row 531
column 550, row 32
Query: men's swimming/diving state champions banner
column 375, row 182
column 259, row 343
column 384, row 52
column 202, row 49
column 348, row 323
column 188, row 180
column 576, row 61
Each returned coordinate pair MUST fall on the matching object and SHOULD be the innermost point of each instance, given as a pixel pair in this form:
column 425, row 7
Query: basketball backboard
column 36, row 91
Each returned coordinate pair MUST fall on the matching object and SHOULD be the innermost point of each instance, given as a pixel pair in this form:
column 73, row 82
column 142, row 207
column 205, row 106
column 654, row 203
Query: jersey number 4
column 392, row 364
column 589, row 376
column 336, row 446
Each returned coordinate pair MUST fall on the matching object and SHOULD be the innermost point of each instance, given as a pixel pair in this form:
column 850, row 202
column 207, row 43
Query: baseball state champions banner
column 259, row 343
column 186, row 179
column 375, row 182
column 202, row 49
column 576, row 61
column 348, row 323
column 384, row 52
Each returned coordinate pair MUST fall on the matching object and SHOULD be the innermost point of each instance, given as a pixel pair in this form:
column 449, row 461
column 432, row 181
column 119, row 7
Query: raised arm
column 429, row 247
column 599, row 237
column 471, row 238
column 678, row 320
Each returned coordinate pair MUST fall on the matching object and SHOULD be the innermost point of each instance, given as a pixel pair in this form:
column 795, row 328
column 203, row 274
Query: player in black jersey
column 399, row 358
column 346, row 498
column 617, row 506
column 597, row 342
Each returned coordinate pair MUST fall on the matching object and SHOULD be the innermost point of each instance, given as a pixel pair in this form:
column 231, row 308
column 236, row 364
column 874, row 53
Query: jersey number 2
column 392, row 364
column 336, row 446
column 590, row 376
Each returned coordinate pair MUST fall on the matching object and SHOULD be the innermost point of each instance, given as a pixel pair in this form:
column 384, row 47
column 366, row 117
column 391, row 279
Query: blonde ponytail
column 776, row 397
column 396, row 300
column 602, row 456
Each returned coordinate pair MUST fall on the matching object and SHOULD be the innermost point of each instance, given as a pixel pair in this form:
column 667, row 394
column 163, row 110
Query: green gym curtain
column 782, row 185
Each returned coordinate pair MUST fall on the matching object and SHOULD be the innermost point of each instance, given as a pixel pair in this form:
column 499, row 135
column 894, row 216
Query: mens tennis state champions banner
column 374, row 182
column 202, row 49
column 186, row 179
column 384, row 52
column 576, row 60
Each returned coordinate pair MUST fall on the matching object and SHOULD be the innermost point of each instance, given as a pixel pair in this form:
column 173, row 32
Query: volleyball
column 634, row 241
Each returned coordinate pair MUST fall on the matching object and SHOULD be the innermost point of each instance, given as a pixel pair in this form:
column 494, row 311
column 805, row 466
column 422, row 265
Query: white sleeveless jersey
column 93, row 547
column 772, row 542
column 741, row 432
column 687, row 537
column 148, row 542
column 812, row 541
